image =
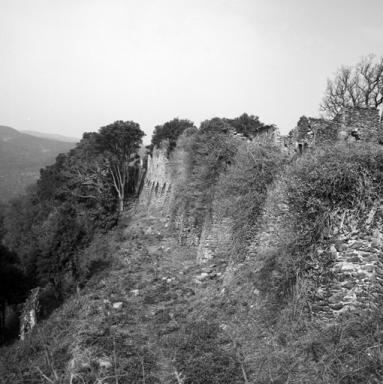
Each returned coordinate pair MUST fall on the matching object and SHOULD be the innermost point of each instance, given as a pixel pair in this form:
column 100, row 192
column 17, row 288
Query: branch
column 45, row 376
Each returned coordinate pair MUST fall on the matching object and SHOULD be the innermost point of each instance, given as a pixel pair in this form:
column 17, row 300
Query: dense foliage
column 76, row 198
column 170, row 132
column 248, row 125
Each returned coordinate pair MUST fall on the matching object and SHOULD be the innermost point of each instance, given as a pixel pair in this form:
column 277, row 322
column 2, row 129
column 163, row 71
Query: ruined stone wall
column 158, row 182
column 353, row 278
column 215, row 237
column 351, row 124
column 162, row 179
column 275, row 225
column 160, row 187
column 308, row 133
column 357, row 268
column 359, row 123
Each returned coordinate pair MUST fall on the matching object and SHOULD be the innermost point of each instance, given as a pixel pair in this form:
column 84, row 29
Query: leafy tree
column 248, row 125
column 119, row 143
column 80, row 178
column 170, row 131
column 357, row 86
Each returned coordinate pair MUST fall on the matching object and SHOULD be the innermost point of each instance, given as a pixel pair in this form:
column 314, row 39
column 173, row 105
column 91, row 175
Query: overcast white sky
column 70, row 66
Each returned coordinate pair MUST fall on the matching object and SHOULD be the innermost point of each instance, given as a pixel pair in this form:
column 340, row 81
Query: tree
column 119, row 143
column 248, row 125
column 170, row 131
column 357, row 86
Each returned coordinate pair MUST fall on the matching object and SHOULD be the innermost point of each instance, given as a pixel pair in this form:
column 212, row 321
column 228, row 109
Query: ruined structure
column 158, row 181
column 357, row 270
column 162, row 177
column 354, row 244
column 352, row 124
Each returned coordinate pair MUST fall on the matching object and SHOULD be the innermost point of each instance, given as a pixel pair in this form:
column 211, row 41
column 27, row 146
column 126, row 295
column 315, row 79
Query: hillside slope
column 132, row 322
column 21, row 158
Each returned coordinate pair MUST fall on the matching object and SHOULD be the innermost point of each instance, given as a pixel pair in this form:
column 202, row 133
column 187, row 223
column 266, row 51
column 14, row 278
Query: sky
column 73, row 66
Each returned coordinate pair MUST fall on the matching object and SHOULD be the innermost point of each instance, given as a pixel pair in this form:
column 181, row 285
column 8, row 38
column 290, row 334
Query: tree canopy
column 170, row 131
column 74, row 199
column 248, row 125
column 118, row 144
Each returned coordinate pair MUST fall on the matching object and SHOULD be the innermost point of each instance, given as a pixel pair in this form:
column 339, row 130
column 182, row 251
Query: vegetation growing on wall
column 248, row 125
column 332, row 179
column 242, row 189
column 209, row 151
column 169, row 132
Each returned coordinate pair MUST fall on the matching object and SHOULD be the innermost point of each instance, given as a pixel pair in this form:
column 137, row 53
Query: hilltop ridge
column 21, row 158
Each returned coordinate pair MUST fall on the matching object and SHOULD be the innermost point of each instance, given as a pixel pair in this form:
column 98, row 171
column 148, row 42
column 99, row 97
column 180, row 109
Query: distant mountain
column 52, row 136
column 21, row 158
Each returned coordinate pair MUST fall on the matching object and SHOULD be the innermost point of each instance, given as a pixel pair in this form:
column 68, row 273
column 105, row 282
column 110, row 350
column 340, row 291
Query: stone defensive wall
column 354, row 277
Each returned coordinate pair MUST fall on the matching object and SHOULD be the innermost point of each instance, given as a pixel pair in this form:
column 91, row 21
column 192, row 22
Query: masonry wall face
column 158, row 192
column 353, row 279
column 158, row 182
column 357, row 268
column 352, row 124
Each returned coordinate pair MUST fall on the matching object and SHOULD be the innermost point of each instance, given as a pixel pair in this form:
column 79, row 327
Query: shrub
column 317, row 185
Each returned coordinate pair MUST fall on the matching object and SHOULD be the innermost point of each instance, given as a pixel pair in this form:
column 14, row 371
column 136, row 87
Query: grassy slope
column 89, row 340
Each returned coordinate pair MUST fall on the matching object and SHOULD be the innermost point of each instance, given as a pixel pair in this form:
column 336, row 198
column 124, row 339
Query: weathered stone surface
column 350, row 125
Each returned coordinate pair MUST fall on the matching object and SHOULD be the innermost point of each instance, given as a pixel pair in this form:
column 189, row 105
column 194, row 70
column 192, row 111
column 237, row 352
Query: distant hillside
column 52, row 136
column 21, row 158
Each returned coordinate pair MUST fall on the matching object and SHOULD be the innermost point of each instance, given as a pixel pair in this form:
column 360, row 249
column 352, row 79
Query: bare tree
column 357, row 86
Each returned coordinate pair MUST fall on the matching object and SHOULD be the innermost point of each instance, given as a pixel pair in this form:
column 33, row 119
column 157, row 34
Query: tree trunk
column 121, row 204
